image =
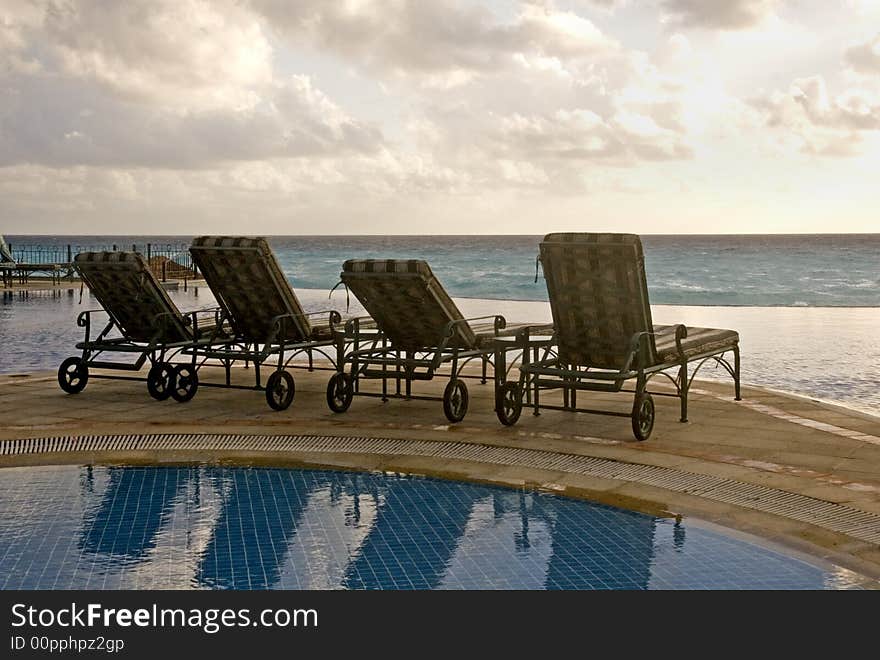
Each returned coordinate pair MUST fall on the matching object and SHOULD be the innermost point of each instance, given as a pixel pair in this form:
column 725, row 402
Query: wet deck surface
column 772, row 440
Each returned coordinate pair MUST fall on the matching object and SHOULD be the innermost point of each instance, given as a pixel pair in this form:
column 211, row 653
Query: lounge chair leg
column 537, row 411
column 500, row 367
column 485, row 363
column 384, row 370
column 340, row 354
column 737, row 396
column 683, row 391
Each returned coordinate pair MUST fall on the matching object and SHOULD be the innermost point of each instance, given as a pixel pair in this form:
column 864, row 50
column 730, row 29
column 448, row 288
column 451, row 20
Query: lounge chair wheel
column 280, row 390
column 73, row 375
column 339, row 392
column 160, row 380
column 455, row 400
column 508, row 403
column 643, row 416
column 186, row 382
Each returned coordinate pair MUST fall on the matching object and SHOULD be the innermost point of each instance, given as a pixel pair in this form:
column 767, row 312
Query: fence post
column 148, row 252
column 134, row 247
column 114, row 247
column 164, row 265
column 69, row 262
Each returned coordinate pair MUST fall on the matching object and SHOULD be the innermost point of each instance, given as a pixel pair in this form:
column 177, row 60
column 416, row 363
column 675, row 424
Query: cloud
column 581, row 136
column 157, row 83
column 17, row 18
column 865, row 57
column 718, row 14
column 823, row 125
column 188, row 53
column 62, row 122
column 411, row 37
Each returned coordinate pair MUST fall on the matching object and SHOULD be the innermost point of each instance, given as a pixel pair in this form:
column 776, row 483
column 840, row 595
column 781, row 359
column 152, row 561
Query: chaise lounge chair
column 12, row 270
column 142, row 321
column 419, row 331
column 267, row 321
column 604, row 335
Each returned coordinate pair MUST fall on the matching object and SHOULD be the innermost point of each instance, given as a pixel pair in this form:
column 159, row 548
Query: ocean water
column 752, row 271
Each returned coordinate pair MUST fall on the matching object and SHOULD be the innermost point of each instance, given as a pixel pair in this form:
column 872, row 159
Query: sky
column 439, row 117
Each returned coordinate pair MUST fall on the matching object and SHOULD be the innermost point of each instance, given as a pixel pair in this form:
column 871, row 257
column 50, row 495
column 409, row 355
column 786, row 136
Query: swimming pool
column 71, row 527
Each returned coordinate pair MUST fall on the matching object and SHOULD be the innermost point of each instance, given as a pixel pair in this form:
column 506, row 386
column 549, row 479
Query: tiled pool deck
column 734, row 463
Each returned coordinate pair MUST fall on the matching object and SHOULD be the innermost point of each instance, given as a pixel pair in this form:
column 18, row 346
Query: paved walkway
column 734, row 464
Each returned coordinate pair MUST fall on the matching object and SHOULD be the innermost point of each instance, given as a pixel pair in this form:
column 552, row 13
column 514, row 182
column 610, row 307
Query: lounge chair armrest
column 524, row 333
column 160, row 321
column 681, row 332
column 353, row 325
column 277, row 322
column 333, row 317
column 636, row 343
column 84, row 317
column 500, row 323
column 192, row 318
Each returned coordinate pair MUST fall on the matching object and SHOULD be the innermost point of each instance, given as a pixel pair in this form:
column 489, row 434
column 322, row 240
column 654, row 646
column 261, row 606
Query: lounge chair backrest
column 250, row 287
column 406, row 301
column 5, row 252
column 598, row 297
column 129, row 292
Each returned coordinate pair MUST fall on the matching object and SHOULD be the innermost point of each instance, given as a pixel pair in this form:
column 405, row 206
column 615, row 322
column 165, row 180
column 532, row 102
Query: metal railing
column 166, row 260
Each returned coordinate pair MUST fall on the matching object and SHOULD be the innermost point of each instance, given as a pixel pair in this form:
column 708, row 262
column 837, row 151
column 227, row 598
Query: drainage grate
column 858, row 524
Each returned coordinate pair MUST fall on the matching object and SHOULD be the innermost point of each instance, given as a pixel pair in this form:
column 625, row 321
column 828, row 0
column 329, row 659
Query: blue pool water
column 241, row 528
column 798, row 270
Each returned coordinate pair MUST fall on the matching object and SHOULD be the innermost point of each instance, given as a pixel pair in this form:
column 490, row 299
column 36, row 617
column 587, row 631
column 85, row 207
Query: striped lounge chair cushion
column 250, row 286
column 127, row 290
column 699, row 341
column 407, row 302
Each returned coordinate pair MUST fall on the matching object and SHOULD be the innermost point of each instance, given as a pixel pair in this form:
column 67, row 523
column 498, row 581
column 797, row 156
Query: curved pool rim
column 497, row 465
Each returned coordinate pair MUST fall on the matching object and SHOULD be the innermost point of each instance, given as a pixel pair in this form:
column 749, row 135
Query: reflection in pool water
column 243, row 528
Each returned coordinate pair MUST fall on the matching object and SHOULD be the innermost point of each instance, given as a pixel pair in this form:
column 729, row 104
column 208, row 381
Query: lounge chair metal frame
column 399, row 369
column 241, row 271
column 157, row 338
column 278, row 355
column 565, row 368
column 12, row 272
column 400, row 349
